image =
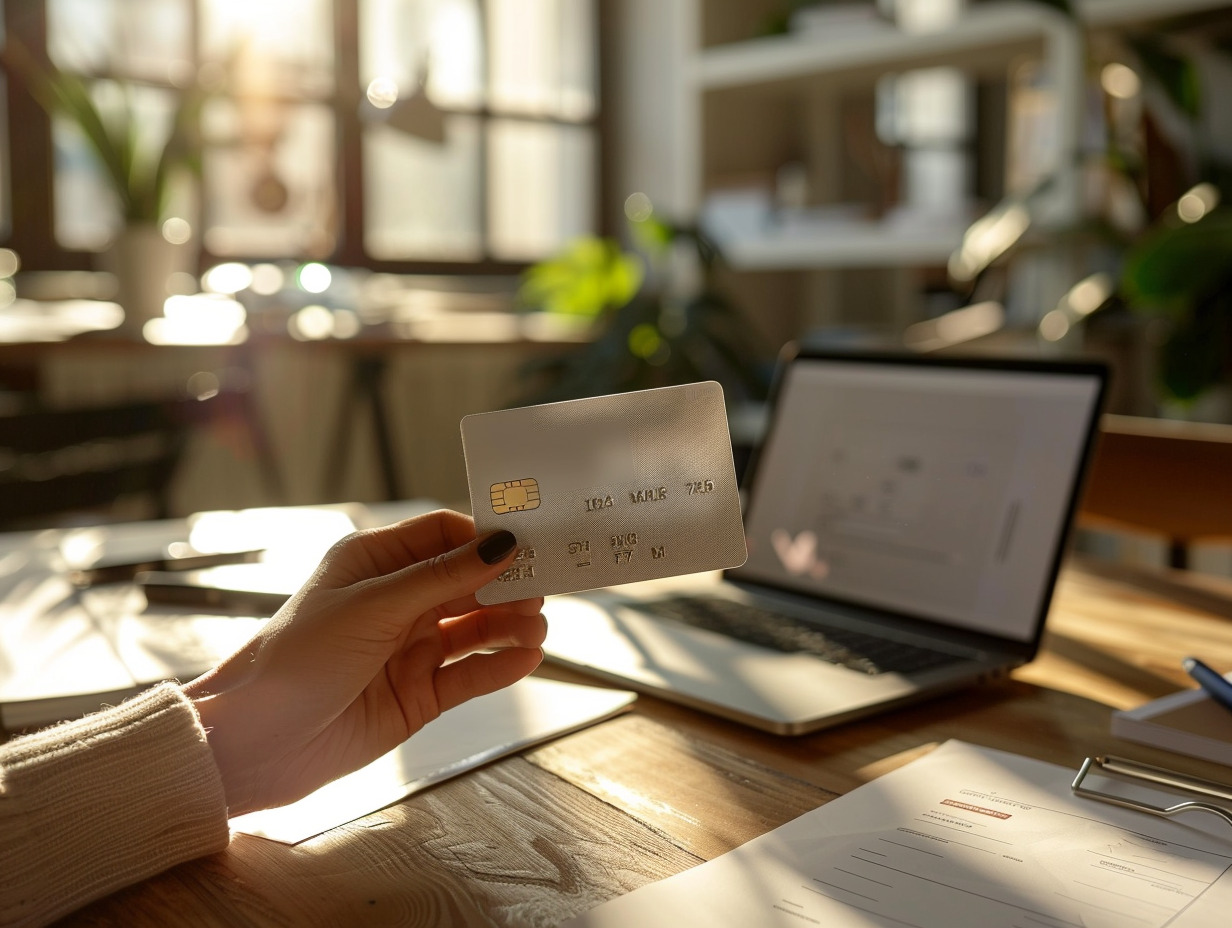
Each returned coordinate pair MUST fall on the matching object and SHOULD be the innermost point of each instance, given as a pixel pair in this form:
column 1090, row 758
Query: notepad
column 474, row 733
column 1188, row 722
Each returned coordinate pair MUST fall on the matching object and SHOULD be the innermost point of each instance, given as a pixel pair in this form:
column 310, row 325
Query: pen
column 125, row 572
column 1216, row 686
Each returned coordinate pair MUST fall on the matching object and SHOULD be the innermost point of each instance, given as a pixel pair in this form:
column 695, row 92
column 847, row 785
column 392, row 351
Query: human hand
column 382, row 639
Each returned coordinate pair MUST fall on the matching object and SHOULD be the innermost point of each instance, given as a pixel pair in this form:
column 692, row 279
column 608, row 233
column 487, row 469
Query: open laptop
column 906, row 518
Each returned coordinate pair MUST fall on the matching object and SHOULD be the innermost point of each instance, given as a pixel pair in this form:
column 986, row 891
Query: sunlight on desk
column 31, row 321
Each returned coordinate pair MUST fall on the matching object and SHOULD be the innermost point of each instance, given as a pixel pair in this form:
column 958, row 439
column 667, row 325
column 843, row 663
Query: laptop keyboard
column 869, row 654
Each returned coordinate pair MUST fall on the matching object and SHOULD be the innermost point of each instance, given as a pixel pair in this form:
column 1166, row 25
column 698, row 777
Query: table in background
column 541, row 836
column 374, row 417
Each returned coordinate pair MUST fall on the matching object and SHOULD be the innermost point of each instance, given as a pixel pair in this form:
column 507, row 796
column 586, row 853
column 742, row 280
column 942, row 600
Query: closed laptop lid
column 938, row 489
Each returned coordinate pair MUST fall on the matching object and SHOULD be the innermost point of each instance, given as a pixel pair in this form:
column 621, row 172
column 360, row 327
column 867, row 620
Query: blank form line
column 1145, row 878
column 959, row 889
column 844, row 889
column 1103, row 908
column 1104, row 889
column 982, row 837
column 908, row 847
column 863, row 877
column 800, row 915
column 860, row 908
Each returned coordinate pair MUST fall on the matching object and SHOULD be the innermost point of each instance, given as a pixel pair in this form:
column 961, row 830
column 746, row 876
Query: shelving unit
column 745, row 102
column 862, row 244
column 980, row 40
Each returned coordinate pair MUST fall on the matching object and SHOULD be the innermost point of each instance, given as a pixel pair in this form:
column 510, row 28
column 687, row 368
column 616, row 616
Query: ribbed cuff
column 90, row 806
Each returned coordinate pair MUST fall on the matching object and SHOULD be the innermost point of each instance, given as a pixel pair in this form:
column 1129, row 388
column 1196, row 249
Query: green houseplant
column 1178, row 271
column 648, row 335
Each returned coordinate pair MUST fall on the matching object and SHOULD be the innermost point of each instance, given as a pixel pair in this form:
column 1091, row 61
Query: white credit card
column 608, row 490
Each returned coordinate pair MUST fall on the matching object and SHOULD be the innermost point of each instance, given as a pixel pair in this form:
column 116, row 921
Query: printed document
column 966, row 836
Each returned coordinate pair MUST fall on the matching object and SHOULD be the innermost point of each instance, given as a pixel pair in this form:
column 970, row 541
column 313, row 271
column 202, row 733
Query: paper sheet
column 466, row 736
column 964, row 837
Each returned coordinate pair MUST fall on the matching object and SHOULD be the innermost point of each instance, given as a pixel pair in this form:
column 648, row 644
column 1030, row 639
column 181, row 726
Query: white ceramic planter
column 143, row 262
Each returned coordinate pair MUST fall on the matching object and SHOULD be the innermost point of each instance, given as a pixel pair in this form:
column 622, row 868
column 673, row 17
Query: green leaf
column 1194, row 357
column 591, row 276
column 1180, row 264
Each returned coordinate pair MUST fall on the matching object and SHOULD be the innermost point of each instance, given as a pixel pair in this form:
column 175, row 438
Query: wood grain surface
column 536, row 838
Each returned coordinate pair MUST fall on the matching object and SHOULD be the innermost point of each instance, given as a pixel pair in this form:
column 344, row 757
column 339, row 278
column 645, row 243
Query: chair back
column 1163, row 477
column 57, row 463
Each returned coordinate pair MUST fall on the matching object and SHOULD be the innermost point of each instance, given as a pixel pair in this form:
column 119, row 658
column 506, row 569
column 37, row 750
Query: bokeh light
column 314, row 278
column 638, row 207
column 229, row 277
column 1196, row 202
column 177, row 231
column 200, row 319
column 9, row 262
column 382, row 93
column 267, row 279
column 1120, row 81
column 312, row 323
column 1054, row 326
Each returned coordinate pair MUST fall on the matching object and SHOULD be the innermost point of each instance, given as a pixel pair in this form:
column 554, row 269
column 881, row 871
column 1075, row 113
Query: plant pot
column 143, row 262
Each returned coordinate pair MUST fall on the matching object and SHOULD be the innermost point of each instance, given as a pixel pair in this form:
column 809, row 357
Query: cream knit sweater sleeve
column 90, row 806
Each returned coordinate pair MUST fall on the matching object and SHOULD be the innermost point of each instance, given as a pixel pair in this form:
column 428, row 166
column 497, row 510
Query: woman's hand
column 381, row 640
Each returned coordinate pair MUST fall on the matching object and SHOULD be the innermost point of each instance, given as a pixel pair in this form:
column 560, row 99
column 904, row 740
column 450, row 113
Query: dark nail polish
column 497, row 546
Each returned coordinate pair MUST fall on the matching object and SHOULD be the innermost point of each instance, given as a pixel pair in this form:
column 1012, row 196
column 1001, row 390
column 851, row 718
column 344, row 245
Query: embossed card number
column 607, row 490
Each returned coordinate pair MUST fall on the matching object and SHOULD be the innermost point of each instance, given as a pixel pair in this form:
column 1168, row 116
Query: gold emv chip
column 515, row 495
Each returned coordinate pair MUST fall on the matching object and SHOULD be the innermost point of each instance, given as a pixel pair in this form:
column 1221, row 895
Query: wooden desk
column 536, row 838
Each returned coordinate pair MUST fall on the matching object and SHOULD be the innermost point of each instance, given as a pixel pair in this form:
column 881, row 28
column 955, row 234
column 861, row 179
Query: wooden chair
column 60, row 464
column 1163, row 477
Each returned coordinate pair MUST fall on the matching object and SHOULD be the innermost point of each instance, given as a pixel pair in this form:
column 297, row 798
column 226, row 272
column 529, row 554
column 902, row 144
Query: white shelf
column 984, row 30
column 858, row 245
column 977, row 40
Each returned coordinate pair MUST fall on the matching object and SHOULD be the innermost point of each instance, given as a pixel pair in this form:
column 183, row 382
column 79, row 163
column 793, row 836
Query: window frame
column 32, row 222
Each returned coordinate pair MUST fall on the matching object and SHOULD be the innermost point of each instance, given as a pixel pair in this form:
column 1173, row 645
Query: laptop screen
column 933, row 489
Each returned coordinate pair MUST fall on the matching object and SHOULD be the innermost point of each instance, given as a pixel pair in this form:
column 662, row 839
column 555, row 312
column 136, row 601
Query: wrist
column 222, row 727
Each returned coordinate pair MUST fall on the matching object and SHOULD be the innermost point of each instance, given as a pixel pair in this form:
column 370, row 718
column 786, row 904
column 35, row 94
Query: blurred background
column 271, row 251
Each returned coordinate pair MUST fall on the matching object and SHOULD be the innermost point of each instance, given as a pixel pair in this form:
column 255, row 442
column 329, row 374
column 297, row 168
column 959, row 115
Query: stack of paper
column 964, row 836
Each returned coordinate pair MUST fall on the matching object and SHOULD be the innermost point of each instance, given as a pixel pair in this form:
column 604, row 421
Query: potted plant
column 140, row 161
column 648, row 334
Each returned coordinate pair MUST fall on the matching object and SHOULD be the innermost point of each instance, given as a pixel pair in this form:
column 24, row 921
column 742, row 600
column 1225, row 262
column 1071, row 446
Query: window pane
column 86, row 204
column 133, row 38
column 422, row 198
column 400, row 39
column 543, row 57
column 269, row 179
column 542, row 184
column 271, row 46
column 86, row 211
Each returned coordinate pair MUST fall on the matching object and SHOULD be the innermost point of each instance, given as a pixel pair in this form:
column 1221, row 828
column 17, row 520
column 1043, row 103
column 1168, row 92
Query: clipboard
column 1133, row 771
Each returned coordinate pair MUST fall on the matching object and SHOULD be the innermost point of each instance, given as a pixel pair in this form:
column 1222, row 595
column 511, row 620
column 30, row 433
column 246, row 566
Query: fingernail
column 497, row 546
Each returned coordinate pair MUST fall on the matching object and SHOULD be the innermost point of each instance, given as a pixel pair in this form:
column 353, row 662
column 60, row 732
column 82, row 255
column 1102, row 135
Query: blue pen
column 1216, row 686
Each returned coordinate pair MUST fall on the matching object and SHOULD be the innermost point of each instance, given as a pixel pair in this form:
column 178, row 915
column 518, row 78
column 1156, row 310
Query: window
column 395, row 134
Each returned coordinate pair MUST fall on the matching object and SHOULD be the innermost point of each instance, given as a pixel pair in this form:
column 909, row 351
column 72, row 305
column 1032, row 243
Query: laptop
column 906, row 518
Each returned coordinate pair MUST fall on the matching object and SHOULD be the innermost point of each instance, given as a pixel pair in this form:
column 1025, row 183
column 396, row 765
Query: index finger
column 380, row 551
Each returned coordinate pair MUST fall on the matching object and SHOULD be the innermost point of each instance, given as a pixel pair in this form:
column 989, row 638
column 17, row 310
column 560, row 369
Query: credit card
column 606, row 490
